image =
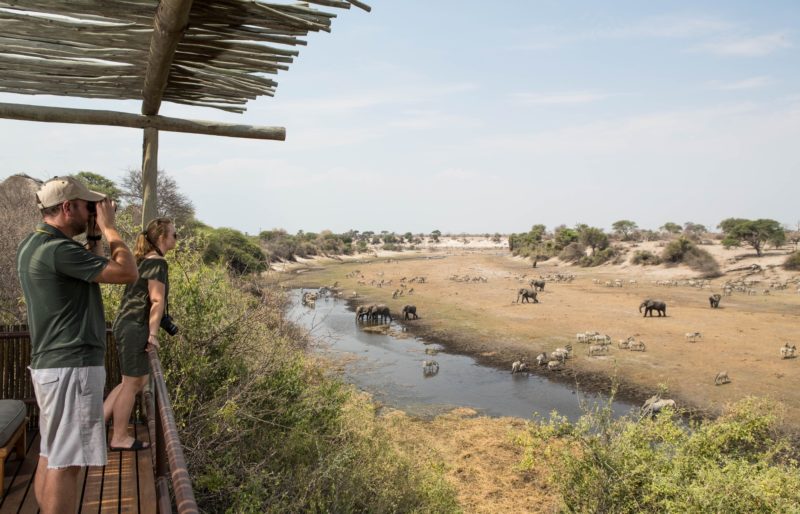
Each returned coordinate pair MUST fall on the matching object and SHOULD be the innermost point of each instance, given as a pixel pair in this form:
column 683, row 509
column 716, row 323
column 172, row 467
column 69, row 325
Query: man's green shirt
column 65, row 308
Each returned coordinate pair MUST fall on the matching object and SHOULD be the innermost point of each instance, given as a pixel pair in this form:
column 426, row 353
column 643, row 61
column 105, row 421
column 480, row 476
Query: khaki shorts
column 71, row 424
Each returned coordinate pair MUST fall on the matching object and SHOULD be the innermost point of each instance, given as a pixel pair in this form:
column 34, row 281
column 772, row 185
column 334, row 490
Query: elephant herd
column 378, row 312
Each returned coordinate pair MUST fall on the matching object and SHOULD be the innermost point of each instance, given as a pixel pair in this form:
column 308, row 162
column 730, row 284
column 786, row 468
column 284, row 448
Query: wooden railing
column 169, row 460
column 170, row 465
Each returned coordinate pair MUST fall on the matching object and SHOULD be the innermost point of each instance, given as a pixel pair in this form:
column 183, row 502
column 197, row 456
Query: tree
column 537, row 232
column 694, row 230
column 171, row 202
column 239, row 252
column 100, row 184
column 435, row 235
column 564, row 235
column 409, row 236
column 670, row 228
column 753, row 232
column 593, row 237
column 624, row 228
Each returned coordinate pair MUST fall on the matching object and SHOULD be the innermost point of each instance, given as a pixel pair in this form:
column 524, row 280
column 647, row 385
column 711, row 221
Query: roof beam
column 124, row 119
column 169, row 25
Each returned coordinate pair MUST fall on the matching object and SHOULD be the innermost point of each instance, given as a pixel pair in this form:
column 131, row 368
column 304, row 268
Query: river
column 390, row 368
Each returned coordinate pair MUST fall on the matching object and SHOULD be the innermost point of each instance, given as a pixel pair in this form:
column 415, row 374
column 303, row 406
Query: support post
column 149, row 176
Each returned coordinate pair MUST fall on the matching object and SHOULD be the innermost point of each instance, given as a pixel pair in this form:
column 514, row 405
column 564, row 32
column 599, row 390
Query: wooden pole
column 171, row 21
column 124, row 119
column 149, row 176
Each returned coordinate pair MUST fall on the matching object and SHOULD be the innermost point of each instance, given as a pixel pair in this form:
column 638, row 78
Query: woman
column 136, row 327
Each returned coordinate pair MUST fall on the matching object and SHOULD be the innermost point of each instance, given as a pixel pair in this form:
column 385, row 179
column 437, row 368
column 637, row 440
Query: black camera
column 168, row 325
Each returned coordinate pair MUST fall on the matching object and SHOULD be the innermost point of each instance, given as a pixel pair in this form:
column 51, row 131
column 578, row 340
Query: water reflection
column 391, row 368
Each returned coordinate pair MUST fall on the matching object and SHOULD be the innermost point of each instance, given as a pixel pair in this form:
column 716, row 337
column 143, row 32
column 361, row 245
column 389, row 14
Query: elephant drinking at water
column 650, row 305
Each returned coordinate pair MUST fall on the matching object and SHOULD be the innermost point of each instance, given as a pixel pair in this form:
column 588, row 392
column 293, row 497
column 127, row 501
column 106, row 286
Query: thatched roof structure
column 213, row 53
column 210, row 53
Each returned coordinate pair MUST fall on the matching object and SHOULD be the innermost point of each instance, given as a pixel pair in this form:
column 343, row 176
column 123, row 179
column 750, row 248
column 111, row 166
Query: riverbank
column 478, row 316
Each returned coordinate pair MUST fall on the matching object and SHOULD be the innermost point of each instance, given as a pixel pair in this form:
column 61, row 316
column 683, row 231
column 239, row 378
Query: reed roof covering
column 225, row 57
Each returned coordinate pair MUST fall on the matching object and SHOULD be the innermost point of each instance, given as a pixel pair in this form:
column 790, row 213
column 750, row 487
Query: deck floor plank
column 147, row 479
column 19, row 477
column 99, row 487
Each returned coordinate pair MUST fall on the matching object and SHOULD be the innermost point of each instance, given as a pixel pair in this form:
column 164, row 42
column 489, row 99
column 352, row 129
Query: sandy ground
column 742, row 337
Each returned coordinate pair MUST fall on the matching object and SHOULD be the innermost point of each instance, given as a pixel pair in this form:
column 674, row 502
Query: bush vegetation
column 265, row 430
column 684, row 251
column 736, row 463
column 645, row 258
column 792, row 263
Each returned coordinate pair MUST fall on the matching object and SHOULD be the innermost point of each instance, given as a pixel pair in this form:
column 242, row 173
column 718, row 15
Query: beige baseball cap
column 61, row 189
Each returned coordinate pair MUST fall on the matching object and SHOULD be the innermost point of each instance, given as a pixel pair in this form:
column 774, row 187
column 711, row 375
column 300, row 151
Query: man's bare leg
column 56, row 488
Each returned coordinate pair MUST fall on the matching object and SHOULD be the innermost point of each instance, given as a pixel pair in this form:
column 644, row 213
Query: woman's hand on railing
column 152, row 342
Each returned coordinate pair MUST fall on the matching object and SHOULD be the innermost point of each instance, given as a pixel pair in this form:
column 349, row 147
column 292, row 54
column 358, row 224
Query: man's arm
column 121, row 268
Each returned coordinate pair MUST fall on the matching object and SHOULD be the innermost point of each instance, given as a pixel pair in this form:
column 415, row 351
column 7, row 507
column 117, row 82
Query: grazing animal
column 537, row 285
column 722, row 378
column 653, row 305
column 554, row 365
column 410, row 310
column 542, row 359
column 527, row 295
column 788, row 352
column 597, row 349
column 623, row 344
column 693, row 336
column 714, row 300
column 636, row 346
column 655, row 405
column 430, row 367
column 519, row 366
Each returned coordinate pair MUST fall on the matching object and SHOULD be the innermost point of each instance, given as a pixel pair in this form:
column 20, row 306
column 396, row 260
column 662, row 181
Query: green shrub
column 792, row 263
column 599, row 257
column 264, row 428
column 736, row 463
column 237, row 251
column 573, row 252
column 684, row 251
column 645, row 258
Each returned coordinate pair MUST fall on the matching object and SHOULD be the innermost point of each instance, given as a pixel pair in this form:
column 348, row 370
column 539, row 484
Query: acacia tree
column 624, row 228
column 670, row 228
column 752, row 232
column 101, row 184
column 592, row 237
column 694, row 230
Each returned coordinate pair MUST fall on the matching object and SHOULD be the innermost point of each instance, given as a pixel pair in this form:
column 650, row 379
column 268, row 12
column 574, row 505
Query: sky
column 475, row 117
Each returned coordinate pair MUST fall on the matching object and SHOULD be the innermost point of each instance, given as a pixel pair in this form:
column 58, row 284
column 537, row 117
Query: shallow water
column 390, row 368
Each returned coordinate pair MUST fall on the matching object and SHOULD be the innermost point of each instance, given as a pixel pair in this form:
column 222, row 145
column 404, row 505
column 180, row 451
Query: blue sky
column 469, row 116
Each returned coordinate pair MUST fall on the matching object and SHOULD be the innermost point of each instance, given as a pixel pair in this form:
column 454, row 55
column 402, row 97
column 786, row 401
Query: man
column 60, row 280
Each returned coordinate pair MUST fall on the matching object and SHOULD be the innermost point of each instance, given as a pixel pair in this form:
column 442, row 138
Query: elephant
column 651, row 305
column 714, row 300
column 527, row 295
column 410, row 310
column 379, row 312
column 537, row 285
column 362, row 311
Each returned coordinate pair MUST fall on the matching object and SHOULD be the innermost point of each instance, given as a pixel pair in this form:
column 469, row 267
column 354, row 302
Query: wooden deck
column 125, row 485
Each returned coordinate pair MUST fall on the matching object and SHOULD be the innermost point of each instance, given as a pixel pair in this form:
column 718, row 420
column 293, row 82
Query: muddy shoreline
column 498, row 358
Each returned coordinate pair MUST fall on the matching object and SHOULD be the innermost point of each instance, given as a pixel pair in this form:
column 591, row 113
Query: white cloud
column 567, row 97
column 749, row 83
column 756, row 46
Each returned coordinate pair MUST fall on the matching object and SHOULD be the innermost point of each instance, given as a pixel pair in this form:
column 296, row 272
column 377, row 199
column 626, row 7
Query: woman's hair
column 147, row 239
